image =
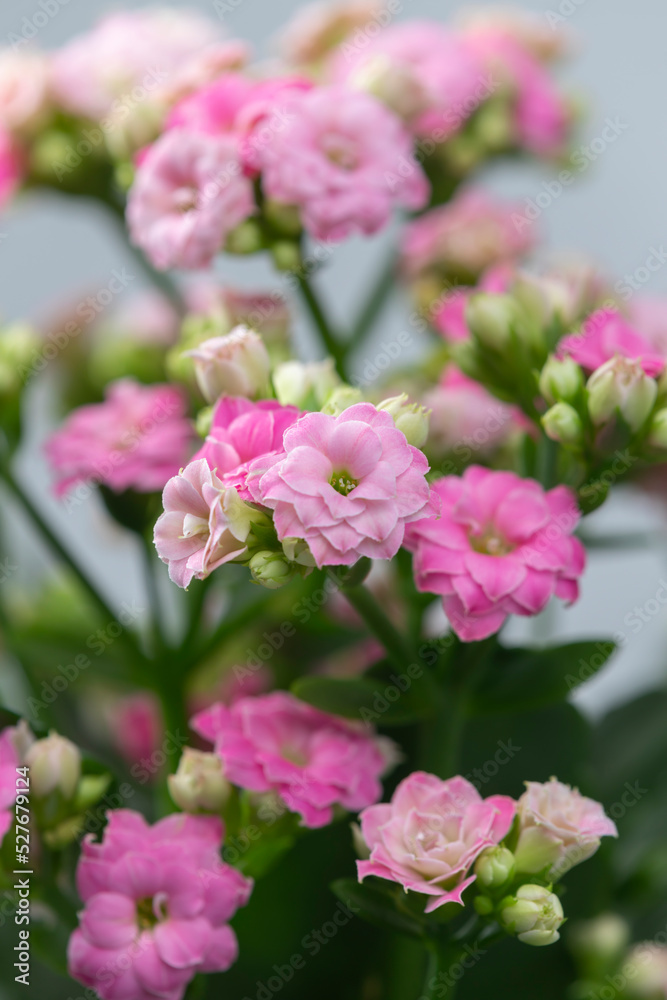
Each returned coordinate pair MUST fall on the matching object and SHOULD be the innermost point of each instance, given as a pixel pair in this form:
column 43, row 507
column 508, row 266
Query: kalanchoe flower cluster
column 157, row 905
column 136, row 439
column 501, row 546
column 312, row 760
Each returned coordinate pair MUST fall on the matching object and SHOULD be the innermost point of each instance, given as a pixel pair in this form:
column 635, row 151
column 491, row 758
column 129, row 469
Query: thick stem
column 374, row 304
column 160, row 644
column 363, row 602
column 331, row 343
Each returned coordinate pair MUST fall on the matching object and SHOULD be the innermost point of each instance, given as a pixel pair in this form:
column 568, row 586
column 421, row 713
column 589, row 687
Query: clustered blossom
column 501, row 546
column 346, row 485
column 430, row 834
column 606, row 334
column 157, row 904
column 136, row 439
column 312, row 760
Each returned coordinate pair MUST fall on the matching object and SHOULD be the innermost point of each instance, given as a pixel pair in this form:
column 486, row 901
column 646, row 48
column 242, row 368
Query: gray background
column 54, row 251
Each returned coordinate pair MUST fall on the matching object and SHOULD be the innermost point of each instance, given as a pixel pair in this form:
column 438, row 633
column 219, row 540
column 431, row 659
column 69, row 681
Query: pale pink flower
column 158, row 900
column 426, row 73
column 501, row 546
column 312, row 760
column 136, row 725
column 136, row 439
column 430, row 834
column 465, row 237
column 647, row 314
column 237, row 364
column 606, row 334
column 345, row 161
column 317, row 28
column 24, row 98
column 466, row 419
column 9, row 761
column 449, row 314
column 558, row 828
column 541, row 115
column 203, row 525
column 532, row 31
column 347, row 485
column 189, row 192
column 140, row 48
column 11, row 167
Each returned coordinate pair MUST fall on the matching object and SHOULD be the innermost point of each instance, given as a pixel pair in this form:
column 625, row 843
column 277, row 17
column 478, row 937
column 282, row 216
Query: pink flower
column 136, row 725
column 242, row 431
column 318, row 27
column 558, row 828
column 427, row 74
column 24, row 97
column 449, row 315
column 11, row 167
column 189, row 193
column 604, row 335
column 9, row 761
column 465, row 237
column 428, row 837
column 136, row 439
column 203, row 525
column 127, row 49
column 157, row 904
column 466, row 418
column 313, row 760
column 347, row 485
column 648, row 315
column 345, row 161
column 501, row 546
column 236, row 364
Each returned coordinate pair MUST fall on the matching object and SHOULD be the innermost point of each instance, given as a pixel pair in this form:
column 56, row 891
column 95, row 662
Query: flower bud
column 494, row 867
column 490, row 318
column 601, row 940
column 561, row 380
column 398, row 88
column 203, row 421
column 621, row 384
column 297, row 551
column 235, row 365
column 298, row 384
column 271, row 569
column 341, row 398
column 411, row 418
column 55, row 764
column 534, row 914
column 245, row 238
column 199, row 784
column 18, row 344
column 657, row 435
column 562, row 423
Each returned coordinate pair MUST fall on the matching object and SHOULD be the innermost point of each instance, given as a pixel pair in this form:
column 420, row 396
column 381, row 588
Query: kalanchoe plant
column 315, row 718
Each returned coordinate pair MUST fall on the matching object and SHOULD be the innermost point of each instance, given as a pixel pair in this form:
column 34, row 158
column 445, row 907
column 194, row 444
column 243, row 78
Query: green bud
column 203, row 421
column 245, row 239
column 55, row 764
column 296, row 383
column 603, row 939
column 494, row 867
column 91, row 789
column 562, row 423
column 18, row 344
column 410, row 418
column 490, row 318
column 284, row 218
column 657, row 435
column 286, row 255
column 199, row 784
column 621, row 384
column 534, row 914
column 271, row 569
column 561, row 380
column 341, row 398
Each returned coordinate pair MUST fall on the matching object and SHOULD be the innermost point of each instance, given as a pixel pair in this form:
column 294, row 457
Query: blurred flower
column 311, row 759
column 199, row 784
column 10, row 759
column 24, row 95
column 55, row 764
column 532, row 31
column 621, row 385
column 136, row 439
column 429, row 835
column 157, row 901
column 235, row 365
column 318, row 28
column 410, row 418
column 136, row 725
column 562, row 423
column 299, row 383
column 604, row 335
column 11, row 166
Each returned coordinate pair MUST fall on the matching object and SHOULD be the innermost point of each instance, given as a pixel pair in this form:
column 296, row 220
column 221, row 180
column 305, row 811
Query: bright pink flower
column 11, row 170
column 9, row 761
column 541, row 116
column 345, row 161
column 464, row 415
column 449, row 315
column 465, row 237
column 188, row 194
column 157, row 904
column 428, row 837
column 203, row 525
column 502, row 546
column 558, row 827
column 605, row 334
column 137, row 725
column 313, row 760
column 136, row 439
column 242, row 431
column 426, row 73
column 347, row 485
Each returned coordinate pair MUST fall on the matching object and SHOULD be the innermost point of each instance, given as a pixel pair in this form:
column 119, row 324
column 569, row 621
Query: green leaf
column 379, row 906
column 525, row 679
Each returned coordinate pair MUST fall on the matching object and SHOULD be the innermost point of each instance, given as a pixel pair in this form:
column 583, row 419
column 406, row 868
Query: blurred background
column 54, row 251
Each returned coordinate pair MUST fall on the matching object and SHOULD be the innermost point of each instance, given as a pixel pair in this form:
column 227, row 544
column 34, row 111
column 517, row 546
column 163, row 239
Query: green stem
column 228, row 627
column 160, row 644
column 331, row 343
column 363, row 602
column 374, row 304
column 442, row 956
column 59, row 549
